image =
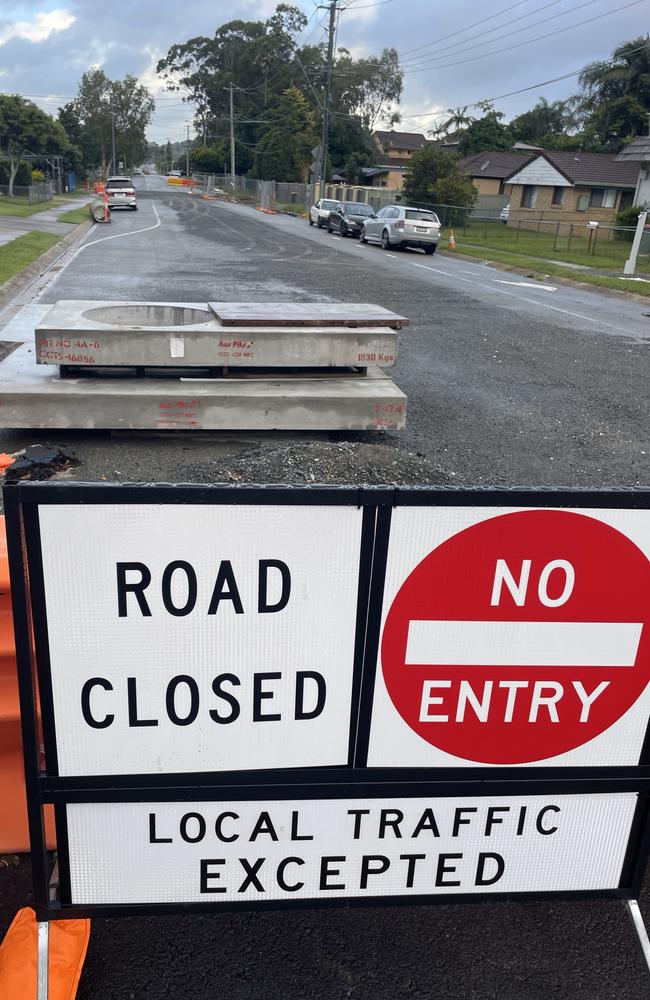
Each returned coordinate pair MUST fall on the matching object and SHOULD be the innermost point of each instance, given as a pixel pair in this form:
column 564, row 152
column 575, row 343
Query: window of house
column 558, row 196
column 602, row 198
column 529, row 196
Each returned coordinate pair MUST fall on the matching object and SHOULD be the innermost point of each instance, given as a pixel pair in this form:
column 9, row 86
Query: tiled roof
column 595, row 168
column 401, row 140
column 498, row 165
column 637, row 150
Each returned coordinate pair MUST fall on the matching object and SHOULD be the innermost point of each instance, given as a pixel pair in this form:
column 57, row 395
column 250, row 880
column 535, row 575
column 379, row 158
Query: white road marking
column 523, row 298
column 117, row 236
column 424, row 266
column 336, row 237
column 526, row 284
column 393, row 255
column 523, row 644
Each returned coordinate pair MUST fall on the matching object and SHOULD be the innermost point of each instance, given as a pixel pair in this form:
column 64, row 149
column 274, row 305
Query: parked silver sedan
column 402, row 226
column 320, row 212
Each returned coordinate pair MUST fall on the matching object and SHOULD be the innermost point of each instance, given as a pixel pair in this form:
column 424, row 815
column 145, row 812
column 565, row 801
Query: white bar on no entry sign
column 524, row 644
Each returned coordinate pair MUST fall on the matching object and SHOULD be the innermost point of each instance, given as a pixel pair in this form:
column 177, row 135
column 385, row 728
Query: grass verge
column 539, row 269
column 20, row 207
column 17, row 254
column 610, row 254
column 75, row 216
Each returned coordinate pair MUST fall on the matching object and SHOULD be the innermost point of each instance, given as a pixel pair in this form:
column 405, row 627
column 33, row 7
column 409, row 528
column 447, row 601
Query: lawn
column 21, row 207
column 22, row 251
column 609, row 255
column 75, row 216
column 542, row 269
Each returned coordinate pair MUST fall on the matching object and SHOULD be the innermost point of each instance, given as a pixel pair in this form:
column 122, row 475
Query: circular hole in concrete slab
column 137, row 314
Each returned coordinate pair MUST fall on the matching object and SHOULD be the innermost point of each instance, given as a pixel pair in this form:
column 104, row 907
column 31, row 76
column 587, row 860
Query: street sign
column 265, row 696
column 202, row 635
column 345, row 848
column 514, row 637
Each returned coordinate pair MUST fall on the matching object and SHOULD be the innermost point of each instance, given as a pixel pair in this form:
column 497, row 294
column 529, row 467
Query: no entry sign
column 513, row 637
column 283, row 697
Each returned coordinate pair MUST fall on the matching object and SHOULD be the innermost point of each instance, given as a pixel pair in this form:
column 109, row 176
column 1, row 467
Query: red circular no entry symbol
column 521, row 637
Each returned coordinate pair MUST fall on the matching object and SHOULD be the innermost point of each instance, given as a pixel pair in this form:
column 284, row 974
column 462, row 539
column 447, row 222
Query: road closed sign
column 186, row 638
column 267, row 696
column 513, row 637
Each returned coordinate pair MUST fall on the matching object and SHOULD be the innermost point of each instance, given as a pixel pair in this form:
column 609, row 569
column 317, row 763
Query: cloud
column 40, row 28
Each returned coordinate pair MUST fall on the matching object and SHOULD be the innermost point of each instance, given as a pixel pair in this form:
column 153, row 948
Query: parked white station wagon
column 320, row 212
column 402, row 226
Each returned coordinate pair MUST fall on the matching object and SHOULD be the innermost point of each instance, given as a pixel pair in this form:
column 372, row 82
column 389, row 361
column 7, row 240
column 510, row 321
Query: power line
column 508, row 34
column 481, row 34
column 530, row 41
column 459, row 31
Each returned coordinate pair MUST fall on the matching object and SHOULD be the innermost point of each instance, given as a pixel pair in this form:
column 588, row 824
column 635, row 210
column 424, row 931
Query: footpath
column 29, row 243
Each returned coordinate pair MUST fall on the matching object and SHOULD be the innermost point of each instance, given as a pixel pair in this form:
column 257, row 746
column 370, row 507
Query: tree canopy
column 25, row 130
column 284, row 149
column 263, row 60
column 486, row 133
column 88, row 118
column 435, row 177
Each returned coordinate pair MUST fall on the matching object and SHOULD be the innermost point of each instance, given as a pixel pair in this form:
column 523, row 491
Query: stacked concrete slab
column 210, row 366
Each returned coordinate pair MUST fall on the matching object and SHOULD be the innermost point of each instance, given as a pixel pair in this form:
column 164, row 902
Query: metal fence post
column 568, row 246
column 557, row 234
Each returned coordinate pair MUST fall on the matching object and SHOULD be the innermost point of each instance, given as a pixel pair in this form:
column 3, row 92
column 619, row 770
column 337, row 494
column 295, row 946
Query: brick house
column 393, row 155
column 489, row 170
column 570, row 187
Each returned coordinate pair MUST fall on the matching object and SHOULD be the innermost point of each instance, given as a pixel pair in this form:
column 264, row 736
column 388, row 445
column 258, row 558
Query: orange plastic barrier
column 14, row 835
column 68, row 944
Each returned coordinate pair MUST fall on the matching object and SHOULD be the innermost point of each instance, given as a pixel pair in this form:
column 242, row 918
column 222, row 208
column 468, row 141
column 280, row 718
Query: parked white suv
column 402, row 226
column 320, row 212
column 121, row 193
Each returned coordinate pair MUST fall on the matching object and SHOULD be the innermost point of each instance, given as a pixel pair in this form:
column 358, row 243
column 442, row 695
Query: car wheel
column 362, row 235
column 134, row 207
column 329, row 228
column 344, row 230
column 385, row 240
column 430, row 250
column 319, row 223
column 311, row 221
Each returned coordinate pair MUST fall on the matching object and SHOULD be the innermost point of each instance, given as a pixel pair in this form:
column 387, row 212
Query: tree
column 457, row 119
column 88, row 119
column 435, row 177
column 616, row 95
column 542, row 121
column 486, row 133
column 263, row 59
column 26, row 130
column 209, row 159
column 368, row 88
column 284, row 150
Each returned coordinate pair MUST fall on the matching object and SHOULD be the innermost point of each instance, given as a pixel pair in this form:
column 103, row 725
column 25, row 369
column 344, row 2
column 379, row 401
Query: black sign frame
column 45, row 788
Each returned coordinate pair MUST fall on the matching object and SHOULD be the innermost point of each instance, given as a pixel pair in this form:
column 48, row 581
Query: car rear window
column 421, row 216
column 119, row 182
column 328, row 204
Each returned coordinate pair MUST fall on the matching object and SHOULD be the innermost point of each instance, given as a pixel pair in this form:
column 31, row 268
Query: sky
column 453, row 53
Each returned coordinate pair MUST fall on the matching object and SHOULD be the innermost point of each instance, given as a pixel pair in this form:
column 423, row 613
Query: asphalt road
column 507, row 384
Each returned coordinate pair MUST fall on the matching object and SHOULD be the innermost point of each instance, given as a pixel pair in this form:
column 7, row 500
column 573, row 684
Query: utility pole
column 113, row 164
column 328, row 96
column 187, row 153
column 232, row 140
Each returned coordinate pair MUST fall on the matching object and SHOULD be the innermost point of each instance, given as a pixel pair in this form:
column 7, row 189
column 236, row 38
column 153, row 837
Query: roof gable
column 539, row 170
column 401, row 140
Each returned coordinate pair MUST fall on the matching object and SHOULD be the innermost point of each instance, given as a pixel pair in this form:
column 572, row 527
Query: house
column 489, row 170
column 570, row 187
column 393, row 154
column 638, row 153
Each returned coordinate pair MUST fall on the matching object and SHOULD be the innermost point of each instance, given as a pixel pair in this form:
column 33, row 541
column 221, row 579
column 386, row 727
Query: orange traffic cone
column 451, row 245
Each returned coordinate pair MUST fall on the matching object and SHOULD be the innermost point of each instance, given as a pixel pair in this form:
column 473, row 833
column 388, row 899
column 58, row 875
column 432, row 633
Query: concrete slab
column 20, row 328
column 247, row 314
column 33, row 396
column 171, row 334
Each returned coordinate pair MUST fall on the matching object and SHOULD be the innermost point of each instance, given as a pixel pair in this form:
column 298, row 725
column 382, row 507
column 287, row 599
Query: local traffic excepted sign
column 518, row 638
